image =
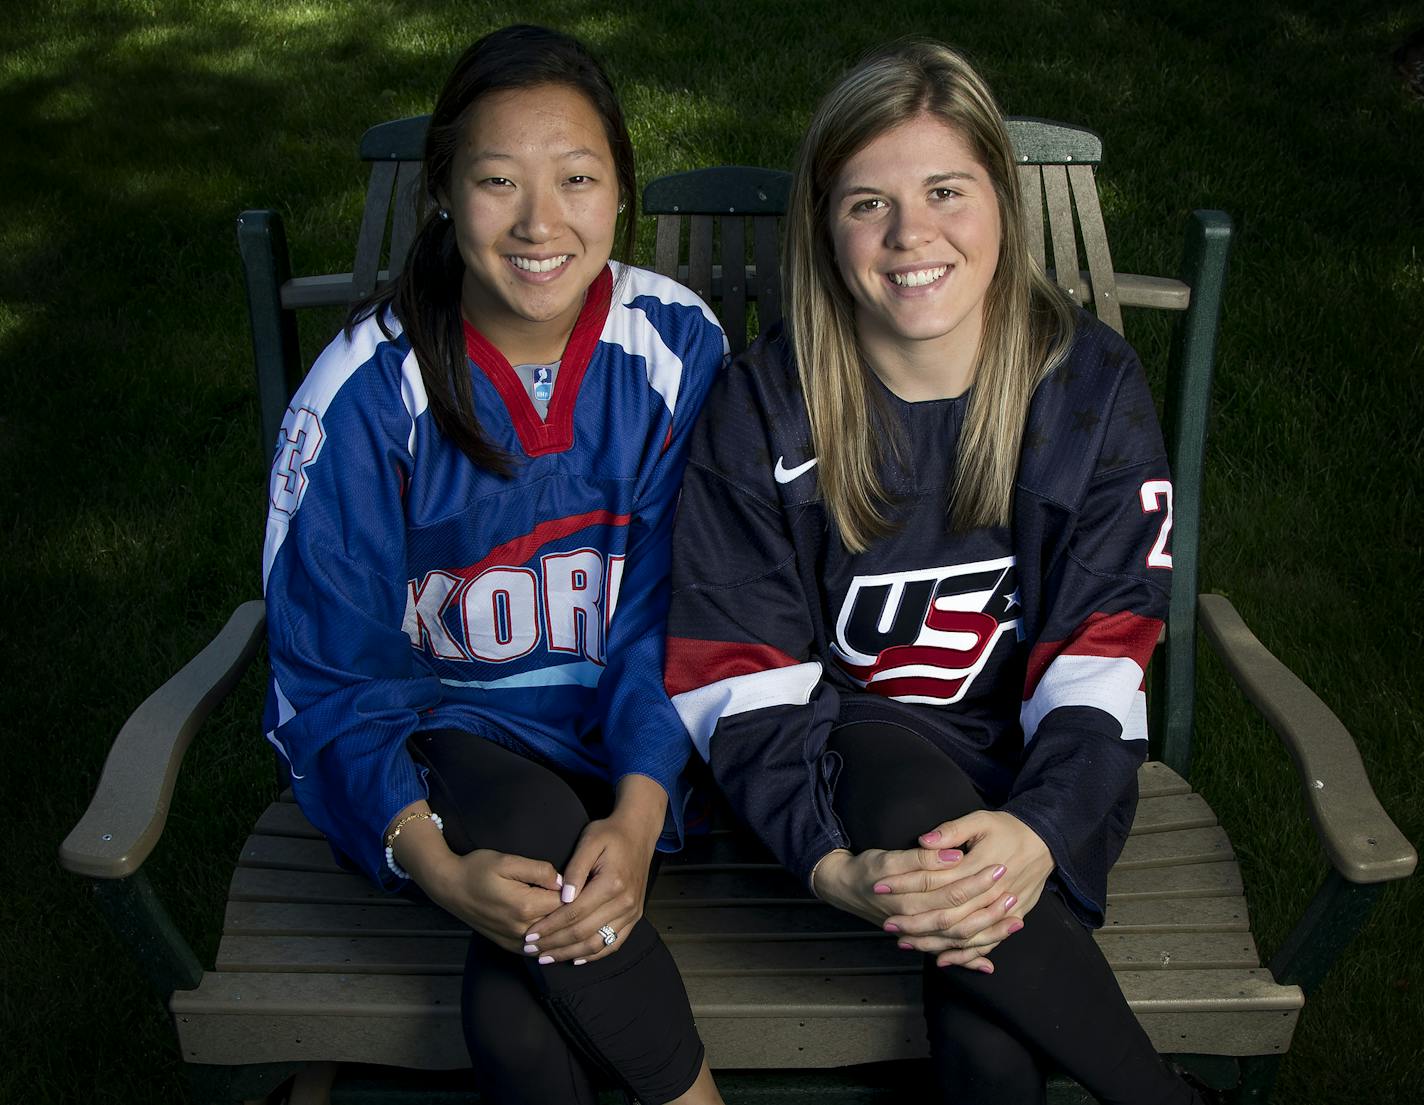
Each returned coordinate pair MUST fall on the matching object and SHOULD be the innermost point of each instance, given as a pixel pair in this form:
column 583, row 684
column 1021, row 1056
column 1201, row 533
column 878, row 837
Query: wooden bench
column 793, row 999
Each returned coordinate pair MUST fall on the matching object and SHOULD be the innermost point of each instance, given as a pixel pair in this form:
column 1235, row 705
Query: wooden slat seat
column 316, row 964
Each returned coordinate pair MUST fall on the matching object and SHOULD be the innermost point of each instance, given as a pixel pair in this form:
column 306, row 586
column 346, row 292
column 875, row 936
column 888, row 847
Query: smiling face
column 533, row 197
column 914, row 222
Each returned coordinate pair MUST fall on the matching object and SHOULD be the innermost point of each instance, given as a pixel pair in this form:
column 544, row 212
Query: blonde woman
column 921, row 560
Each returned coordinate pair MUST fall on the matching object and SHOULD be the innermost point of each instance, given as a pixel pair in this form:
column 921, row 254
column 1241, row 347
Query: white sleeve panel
column 702, row 708
column 1112, row 684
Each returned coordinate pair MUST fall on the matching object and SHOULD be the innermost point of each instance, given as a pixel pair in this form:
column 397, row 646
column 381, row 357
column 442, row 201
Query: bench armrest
column 130, row 805
column 1363, row 844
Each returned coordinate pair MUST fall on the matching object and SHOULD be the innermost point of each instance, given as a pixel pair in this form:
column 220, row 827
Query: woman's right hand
column 497, row 894
column 971, row 915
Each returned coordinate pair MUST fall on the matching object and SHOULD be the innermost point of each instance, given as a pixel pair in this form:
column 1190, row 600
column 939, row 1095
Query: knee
column 893, row 785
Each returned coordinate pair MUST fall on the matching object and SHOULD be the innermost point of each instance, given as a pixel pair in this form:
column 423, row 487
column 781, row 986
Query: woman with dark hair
column 920, row 564
column 466, row 579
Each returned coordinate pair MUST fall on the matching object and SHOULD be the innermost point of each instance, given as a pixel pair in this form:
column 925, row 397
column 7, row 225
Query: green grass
column 131, row 492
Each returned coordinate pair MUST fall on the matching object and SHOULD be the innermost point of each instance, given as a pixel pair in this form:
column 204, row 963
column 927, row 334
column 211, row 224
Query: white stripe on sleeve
column 702, row 708
column 1112, row 684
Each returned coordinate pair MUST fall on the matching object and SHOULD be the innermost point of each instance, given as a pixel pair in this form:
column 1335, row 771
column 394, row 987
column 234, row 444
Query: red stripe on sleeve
column 691, row 663
column 1121, row 634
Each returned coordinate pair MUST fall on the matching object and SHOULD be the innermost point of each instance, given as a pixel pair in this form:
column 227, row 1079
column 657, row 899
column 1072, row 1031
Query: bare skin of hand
column 495, row 893
column 854, row 882
column 927, row 900
column 606, row 878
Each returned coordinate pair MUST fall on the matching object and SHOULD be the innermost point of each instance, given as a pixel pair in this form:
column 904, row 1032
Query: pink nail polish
column 881, row 888
column 531, row 949
column 1016, row 926
column 951, row 855
column 532, row 938
column 558, row 879
column 545, row 960
column 580, row 962
column 891, row 926
column 568, row 893
column 986, row 968
column 904, row 945
column 930, row 837
column 1010, row 902
column 999, row 872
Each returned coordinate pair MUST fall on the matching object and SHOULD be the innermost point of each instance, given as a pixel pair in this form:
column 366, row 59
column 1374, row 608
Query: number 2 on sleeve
column 1153, row 493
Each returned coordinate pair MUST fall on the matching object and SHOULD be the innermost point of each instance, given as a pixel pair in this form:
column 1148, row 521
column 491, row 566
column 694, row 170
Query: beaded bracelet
column 419, row 815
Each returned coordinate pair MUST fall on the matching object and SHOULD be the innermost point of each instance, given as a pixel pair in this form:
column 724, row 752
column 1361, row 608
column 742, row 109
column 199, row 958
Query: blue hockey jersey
column 409, row 590
column 1020, row 651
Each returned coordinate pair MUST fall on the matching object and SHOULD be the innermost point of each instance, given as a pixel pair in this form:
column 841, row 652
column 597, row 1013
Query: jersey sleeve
column 346, row 688
column 1084, row 715
column 641, row 729
column 740, row 666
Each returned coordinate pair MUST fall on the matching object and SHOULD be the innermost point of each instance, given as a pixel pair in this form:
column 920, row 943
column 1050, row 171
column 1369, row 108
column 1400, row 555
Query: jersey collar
column 554, row 434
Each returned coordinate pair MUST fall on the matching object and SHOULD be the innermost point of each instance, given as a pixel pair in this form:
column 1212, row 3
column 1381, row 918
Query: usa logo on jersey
column 925, row 635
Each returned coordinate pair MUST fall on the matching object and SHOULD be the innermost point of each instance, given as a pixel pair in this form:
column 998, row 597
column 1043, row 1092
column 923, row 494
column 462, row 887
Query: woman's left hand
column 920, row 897
column 606, row 878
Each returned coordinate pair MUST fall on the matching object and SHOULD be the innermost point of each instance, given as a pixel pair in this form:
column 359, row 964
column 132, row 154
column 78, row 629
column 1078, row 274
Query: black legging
column 1051, row 1001
column 543, row 1034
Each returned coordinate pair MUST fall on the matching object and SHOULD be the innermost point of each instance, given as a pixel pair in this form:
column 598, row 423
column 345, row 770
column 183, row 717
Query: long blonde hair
column 1028, row 323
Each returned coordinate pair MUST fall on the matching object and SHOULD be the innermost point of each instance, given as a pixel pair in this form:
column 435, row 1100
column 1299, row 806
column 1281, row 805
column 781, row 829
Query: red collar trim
column 556, row 433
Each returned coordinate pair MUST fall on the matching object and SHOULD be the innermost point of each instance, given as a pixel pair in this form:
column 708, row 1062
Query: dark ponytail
column 426, row 295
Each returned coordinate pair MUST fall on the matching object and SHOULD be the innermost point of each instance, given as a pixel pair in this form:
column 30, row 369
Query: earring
column 621, row 208
column 445, row 214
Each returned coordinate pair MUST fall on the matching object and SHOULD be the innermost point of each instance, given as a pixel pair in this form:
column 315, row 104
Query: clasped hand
column 524, row 905
column 967, row 887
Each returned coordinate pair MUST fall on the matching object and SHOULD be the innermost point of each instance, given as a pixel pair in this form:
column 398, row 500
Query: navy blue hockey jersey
column 408, row 589
column 1020, row 651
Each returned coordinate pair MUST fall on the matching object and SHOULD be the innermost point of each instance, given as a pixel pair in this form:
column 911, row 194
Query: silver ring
column 609, row 935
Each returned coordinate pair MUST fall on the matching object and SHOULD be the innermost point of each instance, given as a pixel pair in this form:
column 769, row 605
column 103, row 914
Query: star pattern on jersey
column 1066, row 375
column 1137, row 418
column 1035, row 439
column 1085, row 421
column 1117, row 460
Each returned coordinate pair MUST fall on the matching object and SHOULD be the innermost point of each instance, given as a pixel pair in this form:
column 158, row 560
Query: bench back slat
column 732, row 236
column 1031, row 186
column 667, row 245
column 409, row 209
column 366, row 268
column 699, row 255
column 1060, row 230
column 766, row 252
column 1095, row 245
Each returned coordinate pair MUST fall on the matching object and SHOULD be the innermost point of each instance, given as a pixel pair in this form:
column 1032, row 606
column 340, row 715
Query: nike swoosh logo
column 786, row 475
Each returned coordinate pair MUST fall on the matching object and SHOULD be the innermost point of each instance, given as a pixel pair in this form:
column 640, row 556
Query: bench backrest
column 716, row 221
column 725, row 202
